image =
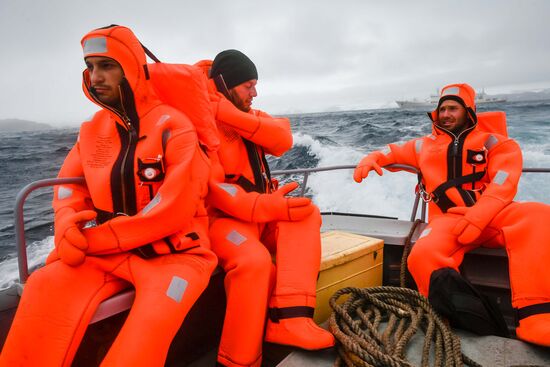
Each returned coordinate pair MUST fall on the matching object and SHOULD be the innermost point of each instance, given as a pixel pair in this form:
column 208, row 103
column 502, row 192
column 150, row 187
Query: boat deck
column 486, row 350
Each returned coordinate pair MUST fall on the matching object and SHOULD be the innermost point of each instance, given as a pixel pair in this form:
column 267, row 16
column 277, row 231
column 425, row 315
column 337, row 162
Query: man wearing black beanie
column 236, row 77
column 253, row 219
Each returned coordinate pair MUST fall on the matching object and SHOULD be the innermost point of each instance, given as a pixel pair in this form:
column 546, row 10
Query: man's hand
column 276, row 206
column 70, row 243
column 466, row 230
column 366, row 165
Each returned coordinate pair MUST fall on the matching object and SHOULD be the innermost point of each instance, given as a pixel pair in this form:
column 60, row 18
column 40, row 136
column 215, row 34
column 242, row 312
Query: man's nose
column 253, row 92
column 96, row 77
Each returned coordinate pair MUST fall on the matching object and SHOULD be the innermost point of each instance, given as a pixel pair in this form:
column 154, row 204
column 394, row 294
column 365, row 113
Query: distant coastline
column 15, row 125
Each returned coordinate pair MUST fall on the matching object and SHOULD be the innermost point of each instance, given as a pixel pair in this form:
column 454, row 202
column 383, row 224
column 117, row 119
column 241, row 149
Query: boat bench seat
column 116, row 304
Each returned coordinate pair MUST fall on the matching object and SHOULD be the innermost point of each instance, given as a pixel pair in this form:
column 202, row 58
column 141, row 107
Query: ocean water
column 320, row 140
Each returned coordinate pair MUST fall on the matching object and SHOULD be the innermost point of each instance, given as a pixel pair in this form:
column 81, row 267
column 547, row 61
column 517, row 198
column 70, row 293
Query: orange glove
column 366, row 165
column 276, row 206
column 70, row 243
column 476, row 218
column 466, row 231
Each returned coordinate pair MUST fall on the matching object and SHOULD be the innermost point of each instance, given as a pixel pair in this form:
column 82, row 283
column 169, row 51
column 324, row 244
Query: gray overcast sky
column 311, row 55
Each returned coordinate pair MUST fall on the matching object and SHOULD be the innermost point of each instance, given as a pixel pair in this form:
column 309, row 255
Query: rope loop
column 358, row 322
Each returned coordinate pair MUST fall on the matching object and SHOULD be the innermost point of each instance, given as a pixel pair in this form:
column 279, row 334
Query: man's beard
column 238, row 102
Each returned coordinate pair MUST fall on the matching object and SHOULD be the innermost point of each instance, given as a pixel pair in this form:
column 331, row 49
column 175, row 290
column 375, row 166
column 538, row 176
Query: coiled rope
column 406, row 250
column 356, row 324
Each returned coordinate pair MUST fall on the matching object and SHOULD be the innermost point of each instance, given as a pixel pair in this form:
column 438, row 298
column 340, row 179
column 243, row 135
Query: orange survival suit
column 146, row 179
column 251, row 220
column 471, row 180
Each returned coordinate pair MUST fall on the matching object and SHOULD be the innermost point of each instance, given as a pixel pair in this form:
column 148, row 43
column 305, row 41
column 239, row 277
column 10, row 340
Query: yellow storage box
column 348, row 260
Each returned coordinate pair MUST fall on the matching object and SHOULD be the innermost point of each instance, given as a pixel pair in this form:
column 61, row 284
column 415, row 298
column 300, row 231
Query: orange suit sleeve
column 505, row 163
column 68, row 200
column 504, row 170
column 402, row 153
column 229, row 198
column 398, row 153
column 271, row 133
column 253, row 206
column 73, row 196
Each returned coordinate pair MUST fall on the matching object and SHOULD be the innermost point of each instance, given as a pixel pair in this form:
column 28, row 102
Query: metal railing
column 307, row 171
column 19, row 226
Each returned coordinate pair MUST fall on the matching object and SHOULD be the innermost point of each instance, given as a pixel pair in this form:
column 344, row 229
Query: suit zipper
column 131, row 136
column 455, row 153
column 455, row 143
column 131, row 133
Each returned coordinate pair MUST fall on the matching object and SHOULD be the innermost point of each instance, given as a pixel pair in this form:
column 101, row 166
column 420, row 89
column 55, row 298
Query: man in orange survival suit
column 146, row 179
column 253, row 218
column 471, row 176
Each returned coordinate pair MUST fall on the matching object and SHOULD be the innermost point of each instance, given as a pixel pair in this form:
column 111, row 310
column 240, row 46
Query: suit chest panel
column 232, row 152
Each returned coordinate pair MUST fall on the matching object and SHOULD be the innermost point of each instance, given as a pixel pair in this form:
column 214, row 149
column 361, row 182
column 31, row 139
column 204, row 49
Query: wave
column 36, row 253
column 388, row 195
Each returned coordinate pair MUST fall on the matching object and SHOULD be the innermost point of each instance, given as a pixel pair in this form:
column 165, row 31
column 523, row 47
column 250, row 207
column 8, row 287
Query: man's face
column 452, row 116
column 105, row 76
column 243, row 94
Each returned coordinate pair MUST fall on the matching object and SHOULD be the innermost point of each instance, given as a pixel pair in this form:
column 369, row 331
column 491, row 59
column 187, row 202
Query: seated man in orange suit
column 470, row 174
column 146, row 179
column 252, row 219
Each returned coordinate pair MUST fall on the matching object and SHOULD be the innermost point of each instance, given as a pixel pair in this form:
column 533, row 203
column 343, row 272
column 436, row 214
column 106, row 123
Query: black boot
column 464, row 306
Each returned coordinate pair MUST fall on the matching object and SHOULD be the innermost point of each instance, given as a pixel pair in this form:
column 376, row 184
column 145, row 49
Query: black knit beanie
column 235, row 67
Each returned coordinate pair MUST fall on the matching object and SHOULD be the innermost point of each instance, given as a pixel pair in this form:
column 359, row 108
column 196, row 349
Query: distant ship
column 431, row 102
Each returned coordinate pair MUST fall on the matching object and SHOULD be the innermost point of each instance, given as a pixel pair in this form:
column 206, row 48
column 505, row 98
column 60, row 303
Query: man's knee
column 255, row 263
column 419, row 260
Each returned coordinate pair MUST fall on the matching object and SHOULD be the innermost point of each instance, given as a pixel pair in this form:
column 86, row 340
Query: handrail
column 19, row 226
column 307, row 171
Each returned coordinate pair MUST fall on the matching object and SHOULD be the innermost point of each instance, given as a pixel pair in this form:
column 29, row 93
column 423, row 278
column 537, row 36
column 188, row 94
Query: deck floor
column 491, row 351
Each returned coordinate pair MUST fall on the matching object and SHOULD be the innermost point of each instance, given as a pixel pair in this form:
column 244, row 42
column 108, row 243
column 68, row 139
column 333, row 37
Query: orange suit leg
column 248, row 267
column 166, row 288
column 526, row 231
column 436, row 248
column 522, row 228
column 298, row 259
column 56, row 307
